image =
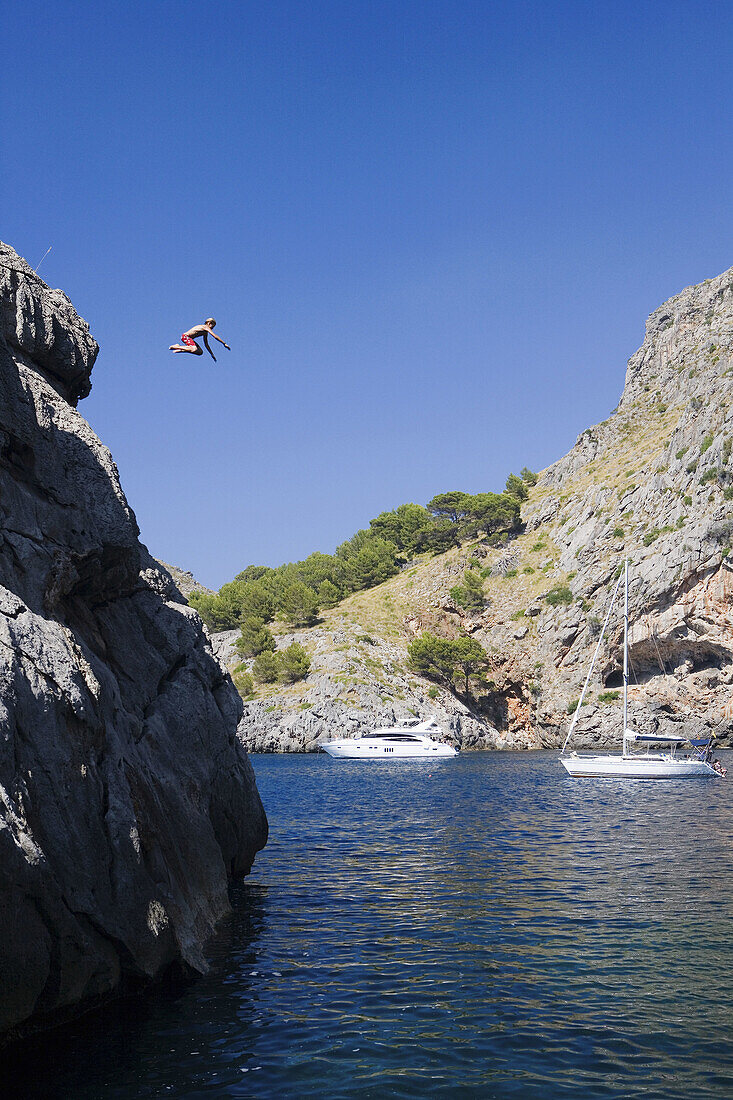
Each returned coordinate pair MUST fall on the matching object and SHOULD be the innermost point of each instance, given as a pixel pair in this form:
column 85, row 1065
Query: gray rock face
column 356, row 684
column 42, row 326
column 653, row 482
column 126, row 801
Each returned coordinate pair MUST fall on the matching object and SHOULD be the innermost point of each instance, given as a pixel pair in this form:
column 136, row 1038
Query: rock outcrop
column 126, row 801
column 184, row 580
column 653, row 482
column 357, row 683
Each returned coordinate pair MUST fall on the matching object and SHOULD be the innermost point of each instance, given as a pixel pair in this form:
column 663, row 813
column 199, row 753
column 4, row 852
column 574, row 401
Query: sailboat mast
column 601, row 636
column 626, row 648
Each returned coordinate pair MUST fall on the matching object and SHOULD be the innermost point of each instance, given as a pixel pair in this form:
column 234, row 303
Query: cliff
column 655, row 482
column 126, row 801
column 184, row 580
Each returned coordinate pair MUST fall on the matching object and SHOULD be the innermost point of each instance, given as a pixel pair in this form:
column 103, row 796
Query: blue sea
column 477, row 927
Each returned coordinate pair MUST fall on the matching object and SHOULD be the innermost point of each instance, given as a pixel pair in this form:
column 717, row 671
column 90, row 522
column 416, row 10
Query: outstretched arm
column 206, row 341
column 220, row 340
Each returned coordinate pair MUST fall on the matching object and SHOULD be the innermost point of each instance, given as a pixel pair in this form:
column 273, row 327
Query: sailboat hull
column 636, row 767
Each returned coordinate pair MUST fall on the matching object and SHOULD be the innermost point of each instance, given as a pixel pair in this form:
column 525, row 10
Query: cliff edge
column 126, row 801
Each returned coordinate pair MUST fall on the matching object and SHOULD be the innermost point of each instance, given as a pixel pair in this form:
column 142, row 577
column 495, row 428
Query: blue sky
column 431, row 232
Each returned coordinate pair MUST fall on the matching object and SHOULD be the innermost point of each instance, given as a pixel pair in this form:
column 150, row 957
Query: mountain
column 184, row 580
column 655, row 482
column 127, row 804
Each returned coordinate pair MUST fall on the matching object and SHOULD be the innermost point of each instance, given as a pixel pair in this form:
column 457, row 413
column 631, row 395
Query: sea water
column 478, row 927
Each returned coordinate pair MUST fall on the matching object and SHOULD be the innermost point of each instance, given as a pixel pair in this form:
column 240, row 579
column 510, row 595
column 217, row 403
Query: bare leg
column 195, row 350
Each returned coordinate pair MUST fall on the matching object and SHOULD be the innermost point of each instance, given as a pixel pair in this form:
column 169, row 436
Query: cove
column 485, row 926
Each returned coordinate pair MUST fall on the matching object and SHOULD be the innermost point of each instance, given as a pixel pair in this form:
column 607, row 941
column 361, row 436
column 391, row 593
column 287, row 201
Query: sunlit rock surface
column 653, row 482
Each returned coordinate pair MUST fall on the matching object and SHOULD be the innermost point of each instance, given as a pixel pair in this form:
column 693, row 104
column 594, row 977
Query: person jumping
column 189, row 338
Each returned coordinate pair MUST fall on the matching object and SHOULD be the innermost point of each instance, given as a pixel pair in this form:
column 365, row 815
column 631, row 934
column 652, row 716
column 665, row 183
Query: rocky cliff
column 655, row 482
column 126, row 801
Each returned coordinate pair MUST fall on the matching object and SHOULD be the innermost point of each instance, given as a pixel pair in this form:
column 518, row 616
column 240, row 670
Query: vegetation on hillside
column 285, row 665
column 470, row 594
column 296, row 592
column 457, row 663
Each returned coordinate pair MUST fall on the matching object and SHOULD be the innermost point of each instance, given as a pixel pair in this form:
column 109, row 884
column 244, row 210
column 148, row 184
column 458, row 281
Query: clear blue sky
column 431, row 232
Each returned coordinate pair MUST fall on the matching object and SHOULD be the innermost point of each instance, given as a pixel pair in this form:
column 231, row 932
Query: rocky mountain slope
column 126, row 801
column 655, row 482
column 184, row 580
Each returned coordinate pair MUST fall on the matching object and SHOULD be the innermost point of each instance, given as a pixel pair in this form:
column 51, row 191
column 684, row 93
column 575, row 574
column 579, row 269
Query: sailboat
column 656, row 756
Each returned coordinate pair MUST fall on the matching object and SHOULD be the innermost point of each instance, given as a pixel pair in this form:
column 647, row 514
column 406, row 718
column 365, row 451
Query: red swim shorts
column 188, row 341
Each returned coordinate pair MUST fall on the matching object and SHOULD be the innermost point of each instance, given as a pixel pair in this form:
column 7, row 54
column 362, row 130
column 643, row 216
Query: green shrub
column 537, row 547
column 707, row 443
column 255, row 638
column 243, row 681
column 651, row 536
column 725, row 453
column 433, row 692
column 298, row 604
column 448, row 660
column 709, row 475
column 682, row 452
column 572, row 707
column 265, row 667
column 608, row 696
column 618, row 532
column 293, row 663
column 516, row 487
column 469, row 595
column 559, row 595
column 328, row 594
column 687, row 501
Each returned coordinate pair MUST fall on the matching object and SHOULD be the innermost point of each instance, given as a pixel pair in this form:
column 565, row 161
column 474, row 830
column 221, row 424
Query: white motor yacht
column 409, row 741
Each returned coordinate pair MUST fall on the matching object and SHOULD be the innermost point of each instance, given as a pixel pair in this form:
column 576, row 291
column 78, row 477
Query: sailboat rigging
column 666, row 757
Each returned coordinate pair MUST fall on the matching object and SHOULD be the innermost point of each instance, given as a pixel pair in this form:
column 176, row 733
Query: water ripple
column 489, row 928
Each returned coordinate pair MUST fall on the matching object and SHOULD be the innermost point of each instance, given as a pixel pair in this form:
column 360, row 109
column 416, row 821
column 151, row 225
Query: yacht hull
column 362, row 749
column 635, row 767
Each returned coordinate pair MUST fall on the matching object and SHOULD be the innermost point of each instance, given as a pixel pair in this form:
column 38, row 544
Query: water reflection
column 483, row 927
